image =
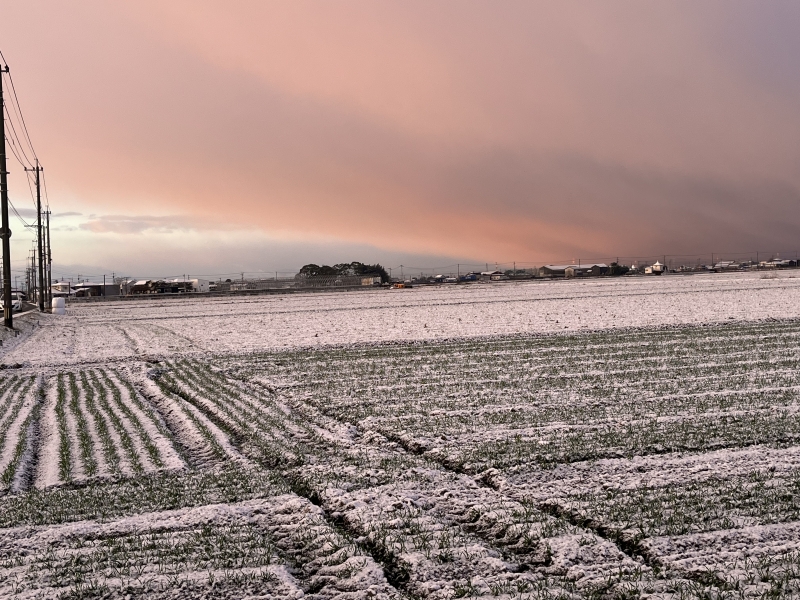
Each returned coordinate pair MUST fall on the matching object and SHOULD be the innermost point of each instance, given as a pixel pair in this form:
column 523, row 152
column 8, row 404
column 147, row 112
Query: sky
column 216, row 137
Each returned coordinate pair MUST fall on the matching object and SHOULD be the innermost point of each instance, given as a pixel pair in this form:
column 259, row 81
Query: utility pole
column 49, row 263
column 34, row 284
column 40, row 294
column 5, row 232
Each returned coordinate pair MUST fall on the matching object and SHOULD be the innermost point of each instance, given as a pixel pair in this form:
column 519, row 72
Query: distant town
column 358, row 275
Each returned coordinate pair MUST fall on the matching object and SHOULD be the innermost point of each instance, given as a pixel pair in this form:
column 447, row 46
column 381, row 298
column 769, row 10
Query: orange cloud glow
column 467, row 129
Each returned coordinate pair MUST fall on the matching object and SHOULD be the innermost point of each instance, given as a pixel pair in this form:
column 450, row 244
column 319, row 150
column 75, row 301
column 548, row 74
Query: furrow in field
column 11, row 401
column 86, row 462
column 461, row 538
column 202, row 442
column 154, row 339
column 245, row 421
column 279, row 546
column 8, row 387
column 759, row 561
column 704, row 394
column 29, row 444
column 129, row 444
column 15, row 429
column 630, row 474
column 74, row 440
column 101, row 447
column 149, row 436
column 152, row 492
column 52, row 440
column 117, row 445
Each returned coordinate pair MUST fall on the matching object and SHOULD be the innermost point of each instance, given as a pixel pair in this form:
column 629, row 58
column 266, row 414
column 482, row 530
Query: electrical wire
column 16, row 138
column 23, row 221
column 14, row 144
column 19, row 108
column 44, row 185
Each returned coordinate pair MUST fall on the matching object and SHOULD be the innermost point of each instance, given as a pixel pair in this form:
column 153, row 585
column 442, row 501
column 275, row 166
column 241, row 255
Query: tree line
column 345, row 270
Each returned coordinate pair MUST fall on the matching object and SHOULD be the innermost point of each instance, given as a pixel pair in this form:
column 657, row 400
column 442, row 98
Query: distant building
column 727, row 265
column 655, row 269
column 96, row 290
column 200, row 285
column 61, row 288
column 491, row 275
column 595, row 270
column 777, row 263
column 590, row 270
column 554, row 270
column 141, row 286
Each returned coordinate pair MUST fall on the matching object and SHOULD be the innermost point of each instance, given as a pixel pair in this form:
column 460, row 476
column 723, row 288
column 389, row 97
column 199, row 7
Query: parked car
column 16, row 302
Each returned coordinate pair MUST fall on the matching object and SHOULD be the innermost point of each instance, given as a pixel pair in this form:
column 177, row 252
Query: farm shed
column 586, row 270
column 777, row 263
column 142, row 286
column 85, row 290
column 491, row 275
column 554, row 270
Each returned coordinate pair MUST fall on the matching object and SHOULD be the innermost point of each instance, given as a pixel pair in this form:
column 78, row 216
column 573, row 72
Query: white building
column 655, row 269
column 199, row 285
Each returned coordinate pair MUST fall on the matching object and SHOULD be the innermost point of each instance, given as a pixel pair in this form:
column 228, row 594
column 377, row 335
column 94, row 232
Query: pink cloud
column 466, row 129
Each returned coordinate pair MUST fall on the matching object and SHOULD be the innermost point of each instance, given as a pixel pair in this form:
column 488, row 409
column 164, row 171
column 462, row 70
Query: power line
column 16, row 137
column 15, row 145
column 18, row 108
column 25, row 223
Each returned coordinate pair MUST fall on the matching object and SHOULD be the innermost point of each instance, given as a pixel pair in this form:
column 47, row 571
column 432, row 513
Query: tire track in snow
column 153, row 427
column 203, row 443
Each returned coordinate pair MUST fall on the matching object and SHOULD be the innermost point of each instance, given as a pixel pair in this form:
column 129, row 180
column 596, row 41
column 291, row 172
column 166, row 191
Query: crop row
column 498, row 403
column 437, row 534
column 151, row 492
column 96, row 424
column 708, row 351
column 231, row 548
column 19, row 407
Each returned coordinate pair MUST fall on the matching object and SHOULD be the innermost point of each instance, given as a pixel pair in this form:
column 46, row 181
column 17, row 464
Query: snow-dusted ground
column 287, row 446
column 97, row 331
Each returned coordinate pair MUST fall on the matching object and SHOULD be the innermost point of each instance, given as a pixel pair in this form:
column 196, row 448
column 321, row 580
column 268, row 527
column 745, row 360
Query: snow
column 166, row 451
column 32, row 557
column 47, row 474
column 497, row 458
column 13, row 424
column 123, row 329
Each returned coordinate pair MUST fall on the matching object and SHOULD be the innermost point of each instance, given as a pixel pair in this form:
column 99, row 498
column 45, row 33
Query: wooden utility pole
column 5, row 232
column 40, row 294
column 49, row 263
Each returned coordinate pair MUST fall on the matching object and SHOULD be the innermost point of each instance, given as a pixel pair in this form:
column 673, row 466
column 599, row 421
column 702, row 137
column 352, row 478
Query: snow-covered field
column 93, row 331
column 599, row 438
